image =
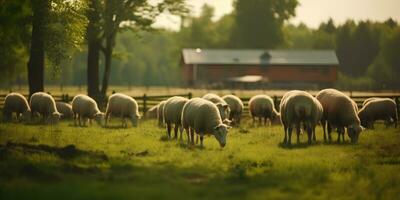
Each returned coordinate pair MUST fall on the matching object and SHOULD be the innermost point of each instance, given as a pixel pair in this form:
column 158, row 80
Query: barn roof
column 259, row 57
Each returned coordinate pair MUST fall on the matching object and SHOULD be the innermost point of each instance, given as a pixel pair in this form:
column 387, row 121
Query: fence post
column 144, row 104
column 189, row 95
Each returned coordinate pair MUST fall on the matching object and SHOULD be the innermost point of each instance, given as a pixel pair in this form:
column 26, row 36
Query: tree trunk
column 107, row 69
column 94, row 44
column 36, row 59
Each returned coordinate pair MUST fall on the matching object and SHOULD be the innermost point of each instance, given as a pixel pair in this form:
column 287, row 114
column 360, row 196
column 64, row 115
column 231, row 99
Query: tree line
column 102, row 42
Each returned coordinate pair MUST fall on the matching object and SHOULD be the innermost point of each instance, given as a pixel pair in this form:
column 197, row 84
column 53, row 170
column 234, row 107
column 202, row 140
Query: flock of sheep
column 214, row 115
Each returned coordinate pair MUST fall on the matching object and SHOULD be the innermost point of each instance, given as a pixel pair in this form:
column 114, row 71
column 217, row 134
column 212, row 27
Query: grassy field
column 66, row 162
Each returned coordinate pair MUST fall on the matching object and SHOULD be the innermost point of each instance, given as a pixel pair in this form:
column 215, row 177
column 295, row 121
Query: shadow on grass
column 67, row 152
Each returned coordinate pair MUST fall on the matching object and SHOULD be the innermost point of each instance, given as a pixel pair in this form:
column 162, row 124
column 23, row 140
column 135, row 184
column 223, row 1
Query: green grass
column 66, row 162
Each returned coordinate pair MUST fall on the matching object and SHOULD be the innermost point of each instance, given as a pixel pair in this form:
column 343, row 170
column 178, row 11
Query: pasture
column 67, row 162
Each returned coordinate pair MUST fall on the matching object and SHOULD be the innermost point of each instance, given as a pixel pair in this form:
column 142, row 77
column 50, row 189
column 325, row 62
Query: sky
column 310, row 12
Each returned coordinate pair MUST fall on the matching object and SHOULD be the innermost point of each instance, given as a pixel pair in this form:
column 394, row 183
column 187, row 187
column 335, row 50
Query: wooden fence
column 146, row 102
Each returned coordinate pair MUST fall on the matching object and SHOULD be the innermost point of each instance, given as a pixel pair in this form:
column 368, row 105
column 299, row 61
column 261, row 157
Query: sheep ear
column 216, row 128
column 226, row 106
column 219, row 105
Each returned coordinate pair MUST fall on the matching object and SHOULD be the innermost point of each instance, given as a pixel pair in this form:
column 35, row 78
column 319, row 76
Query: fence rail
column 145, row 102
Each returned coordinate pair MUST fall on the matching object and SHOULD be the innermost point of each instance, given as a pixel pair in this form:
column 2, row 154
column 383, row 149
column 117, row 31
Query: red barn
column 273, row 68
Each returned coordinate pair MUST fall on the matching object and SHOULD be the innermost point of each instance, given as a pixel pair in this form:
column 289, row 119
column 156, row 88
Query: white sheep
column 160, row 113
column 378, row 109
column 340, row 112
column 368, row 100
column 45, row 105
column 85, row 108
column 202, row 117
column 300, row 107
column 262, row 106
column 65, row 109
column 123, row 106
column 222, row 106
column 16, row 103
column 173, row 114
column 236, row 107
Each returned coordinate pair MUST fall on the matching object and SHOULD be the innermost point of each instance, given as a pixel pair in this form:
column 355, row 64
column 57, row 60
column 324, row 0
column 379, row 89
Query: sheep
column 160, row 114
column 300, row 107
column 65, row 109
column 378, row 109
column 45, row 105
column 262, row 106
column 368, row 100
column 15, row 102
column 152, row 112
column 123, row 106
column 202, row 117
column 223, row 107
column 172, row 114
column 84, row 107
column 340, row 112
column 235, row 106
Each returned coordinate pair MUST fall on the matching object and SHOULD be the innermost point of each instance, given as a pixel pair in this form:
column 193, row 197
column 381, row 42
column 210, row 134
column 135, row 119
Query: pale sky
column 310, row 12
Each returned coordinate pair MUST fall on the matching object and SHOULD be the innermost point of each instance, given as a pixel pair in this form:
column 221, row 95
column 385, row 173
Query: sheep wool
column 85, row 108
column 339, row 112
column 123, row 106
column 45, row 105
column 173, row 114
column 236, row 107
column 378, row 109
column 16, row 103
column 202, row 117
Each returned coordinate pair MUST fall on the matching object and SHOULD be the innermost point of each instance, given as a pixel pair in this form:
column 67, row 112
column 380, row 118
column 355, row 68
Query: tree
column 258, row 23
column 57, row 26
column 14, row 38
column 117, row 15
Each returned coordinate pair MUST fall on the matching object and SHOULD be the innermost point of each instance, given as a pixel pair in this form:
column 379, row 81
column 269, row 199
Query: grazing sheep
column 65, row 109
column 45, row 105
column 300, row 107
column 368, row 100
column 262, row 106
column 16, row 103
column 160, row 113
column 378, row 109
column 85, row 108
column 223, row 107
column 202, row 117
column 152, row 112
column 235, row 106
column 173, row 114
column 340, row 112
column 123, row 106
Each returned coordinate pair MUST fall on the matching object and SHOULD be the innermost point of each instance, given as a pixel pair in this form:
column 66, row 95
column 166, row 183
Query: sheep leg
column 176, row 131
column 75, row 115
column 191, row 131
column 180, row 132
column 324, row 129
column 298, row 132
column 329, row 132
column 285, row 131
column 169, row 130
column 259, row 121
column 265, row 121
column 309, row 134
column 290, row 129
column 201, row 140
column 254, row 120
column 314, row 135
